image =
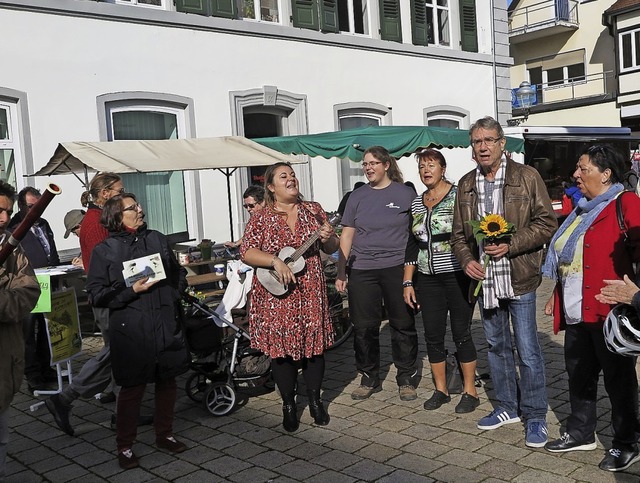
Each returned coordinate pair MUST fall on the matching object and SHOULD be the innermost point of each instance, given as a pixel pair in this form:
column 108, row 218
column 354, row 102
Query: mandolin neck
column 305, row 246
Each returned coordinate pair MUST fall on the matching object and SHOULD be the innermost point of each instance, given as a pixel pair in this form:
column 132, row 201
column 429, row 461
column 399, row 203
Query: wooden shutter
column 328, row 15
column 468, row 26
column 200, row 7
column 305, row 14
column 418, row 22
column 224, row 8
column 390, row 28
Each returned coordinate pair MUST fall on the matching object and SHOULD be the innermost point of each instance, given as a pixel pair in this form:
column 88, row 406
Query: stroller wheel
column 220, row 398
column 196, row 386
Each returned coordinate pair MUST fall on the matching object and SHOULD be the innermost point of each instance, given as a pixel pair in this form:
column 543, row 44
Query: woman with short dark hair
column 146, row 341
column 588, row 248
column 442, row 288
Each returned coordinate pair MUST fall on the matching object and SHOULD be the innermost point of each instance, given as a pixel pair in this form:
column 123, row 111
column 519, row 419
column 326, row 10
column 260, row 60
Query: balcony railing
column 544, row 18
column 592, row 85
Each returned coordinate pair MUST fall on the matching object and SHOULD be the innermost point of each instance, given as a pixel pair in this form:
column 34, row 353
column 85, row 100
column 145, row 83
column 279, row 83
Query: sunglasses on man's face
column 249, row 206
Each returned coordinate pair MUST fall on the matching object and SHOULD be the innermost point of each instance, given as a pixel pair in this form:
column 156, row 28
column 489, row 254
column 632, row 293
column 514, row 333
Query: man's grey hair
column 488, row 123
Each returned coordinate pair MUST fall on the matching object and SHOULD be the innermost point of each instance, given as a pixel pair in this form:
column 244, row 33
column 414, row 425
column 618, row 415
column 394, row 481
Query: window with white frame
column 264, row 10
column 629, row 47
column 162, row 194
column 9, row 142
column 558, row 70
column 353, row 16
column 353, row 116
column 446, row 116
column 161, row 4
column 438, row 24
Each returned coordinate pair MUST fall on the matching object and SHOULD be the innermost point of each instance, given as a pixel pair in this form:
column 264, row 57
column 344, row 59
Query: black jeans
column 367, row 290
column 439, row 295
column 585, row 353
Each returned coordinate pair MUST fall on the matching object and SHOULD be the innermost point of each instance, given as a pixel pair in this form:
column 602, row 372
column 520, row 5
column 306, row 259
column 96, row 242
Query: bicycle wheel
column 339, row 310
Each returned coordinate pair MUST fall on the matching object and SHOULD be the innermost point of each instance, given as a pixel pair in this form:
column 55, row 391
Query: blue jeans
column 502, row 365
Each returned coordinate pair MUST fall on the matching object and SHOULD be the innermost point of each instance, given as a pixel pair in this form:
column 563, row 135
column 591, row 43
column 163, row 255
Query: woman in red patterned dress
column 294, row 329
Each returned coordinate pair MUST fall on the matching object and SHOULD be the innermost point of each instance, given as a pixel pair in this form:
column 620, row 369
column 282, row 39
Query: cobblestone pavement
column 380, row 439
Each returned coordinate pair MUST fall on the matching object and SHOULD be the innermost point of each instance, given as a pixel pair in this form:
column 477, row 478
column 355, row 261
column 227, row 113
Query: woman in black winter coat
column 146, row 341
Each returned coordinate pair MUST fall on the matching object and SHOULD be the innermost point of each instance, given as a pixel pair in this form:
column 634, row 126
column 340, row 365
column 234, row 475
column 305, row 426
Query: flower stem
column 485, row 266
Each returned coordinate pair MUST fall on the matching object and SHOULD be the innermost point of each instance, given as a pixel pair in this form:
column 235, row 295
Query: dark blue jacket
column 32, row 247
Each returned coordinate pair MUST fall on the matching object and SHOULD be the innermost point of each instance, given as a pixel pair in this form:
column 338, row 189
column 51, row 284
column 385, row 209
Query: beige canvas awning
column 226, row 153
column 163, row 155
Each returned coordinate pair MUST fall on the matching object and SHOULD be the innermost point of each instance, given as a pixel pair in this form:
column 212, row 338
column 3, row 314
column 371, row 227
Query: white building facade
column 82, row 70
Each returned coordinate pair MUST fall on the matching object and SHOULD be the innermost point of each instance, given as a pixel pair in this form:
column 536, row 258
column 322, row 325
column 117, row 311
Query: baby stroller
column 222, row 363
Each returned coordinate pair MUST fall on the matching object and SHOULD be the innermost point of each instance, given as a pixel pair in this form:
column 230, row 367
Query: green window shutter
column 200, row 7
column 390, row 28
column 418, row 22
column 224, row 8
column 328, row 15
column 468, row 26
column 305, row 14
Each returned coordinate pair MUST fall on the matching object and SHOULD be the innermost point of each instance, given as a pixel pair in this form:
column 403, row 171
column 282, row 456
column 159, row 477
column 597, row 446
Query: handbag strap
column 623, row 229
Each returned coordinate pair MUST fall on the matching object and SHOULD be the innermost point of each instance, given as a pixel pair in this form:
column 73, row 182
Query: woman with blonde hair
column 372, row 246
column 95, row 375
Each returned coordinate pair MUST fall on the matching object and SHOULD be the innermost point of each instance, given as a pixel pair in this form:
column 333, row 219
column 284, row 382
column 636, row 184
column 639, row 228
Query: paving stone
column 508, row 452
column 271, row 459
column 332, row 476
column 378, row 452
column 504, row 470
column 541, row 477
column 544, row 461
column 254, row 475
column 461, row 440
column 307, row 451
column 347, row 443
column 404, row 477
column 415, row 464
column 300, row 470
column 199, row 477
column 244, row 450
column 368, row 470
column 465, row 459
column 426, row 449
column 67, row 473
column 394, row 440
column 283, row 442
column 226, row 465
column 174, row 469
column 456, row 474
column 336, row 460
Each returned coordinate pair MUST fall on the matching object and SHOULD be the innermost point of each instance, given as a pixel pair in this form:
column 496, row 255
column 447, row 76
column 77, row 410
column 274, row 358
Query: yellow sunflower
column 493, row 225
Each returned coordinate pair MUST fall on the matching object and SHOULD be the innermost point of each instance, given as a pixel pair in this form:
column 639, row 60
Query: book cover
column 149, row 266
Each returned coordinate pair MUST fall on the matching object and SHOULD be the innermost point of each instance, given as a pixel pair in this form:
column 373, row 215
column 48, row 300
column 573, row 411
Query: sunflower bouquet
column 491, row 228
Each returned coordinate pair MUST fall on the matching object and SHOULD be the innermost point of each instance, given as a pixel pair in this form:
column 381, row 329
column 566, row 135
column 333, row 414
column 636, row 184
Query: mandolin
column 270, row 279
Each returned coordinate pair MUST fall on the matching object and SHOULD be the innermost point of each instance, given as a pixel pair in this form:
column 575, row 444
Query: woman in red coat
column 588, row 248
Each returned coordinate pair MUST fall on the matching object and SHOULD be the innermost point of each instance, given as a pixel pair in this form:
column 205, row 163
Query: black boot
column 316, row 408
column 289, row 412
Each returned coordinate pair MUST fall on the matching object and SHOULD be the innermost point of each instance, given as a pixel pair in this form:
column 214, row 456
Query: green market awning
column 398, row 140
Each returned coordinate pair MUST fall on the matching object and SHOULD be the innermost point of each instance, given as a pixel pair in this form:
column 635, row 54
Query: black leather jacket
column 527, row 206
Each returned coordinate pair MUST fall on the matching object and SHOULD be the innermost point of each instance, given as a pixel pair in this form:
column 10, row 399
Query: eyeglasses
column 373, row 164
column 249, row 206
column 133, row 207
column 120, row 191
column 489, row 141
column 430, row 166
